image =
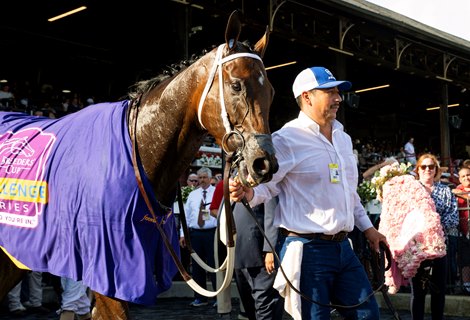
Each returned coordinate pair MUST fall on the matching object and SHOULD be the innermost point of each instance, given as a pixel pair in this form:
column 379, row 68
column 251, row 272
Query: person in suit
column 254, row 261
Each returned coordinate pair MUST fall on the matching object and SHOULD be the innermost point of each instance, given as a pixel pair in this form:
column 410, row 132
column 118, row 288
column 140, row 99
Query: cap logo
column 330, row 75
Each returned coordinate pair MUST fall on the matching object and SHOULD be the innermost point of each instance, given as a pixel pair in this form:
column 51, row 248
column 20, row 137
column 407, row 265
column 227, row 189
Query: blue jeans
column 332, row 273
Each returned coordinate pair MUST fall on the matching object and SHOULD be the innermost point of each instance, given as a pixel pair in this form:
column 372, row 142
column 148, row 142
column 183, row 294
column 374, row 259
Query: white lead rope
column 219, row 61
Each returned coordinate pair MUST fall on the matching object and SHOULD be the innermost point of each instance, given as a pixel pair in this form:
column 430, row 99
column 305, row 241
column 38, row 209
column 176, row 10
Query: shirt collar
column 307, row 122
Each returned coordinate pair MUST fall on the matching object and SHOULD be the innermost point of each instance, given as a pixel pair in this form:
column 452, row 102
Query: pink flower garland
column 412, row 226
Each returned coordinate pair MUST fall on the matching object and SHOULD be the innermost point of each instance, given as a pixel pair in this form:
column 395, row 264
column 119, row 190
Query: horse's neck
column 168, row 133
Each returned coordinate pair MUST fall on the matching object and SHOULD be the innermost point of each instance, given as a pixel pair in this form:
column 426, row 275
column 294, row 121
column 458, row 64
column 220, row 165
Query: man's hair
column 466, row 163
column 299, row 98
column 463, row 168
column 205, row 170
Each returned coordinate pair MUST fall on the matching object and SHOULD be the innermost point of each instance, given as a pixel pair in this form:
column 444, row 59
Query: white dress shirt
column 308, row 201
column 192, row 206
column 410, row 152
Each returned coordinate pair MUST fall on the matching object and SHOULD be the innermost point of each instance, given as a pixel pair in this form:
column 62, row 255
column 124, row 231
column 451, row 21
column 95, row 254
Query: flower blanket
column 412, row 227
column 70, row 204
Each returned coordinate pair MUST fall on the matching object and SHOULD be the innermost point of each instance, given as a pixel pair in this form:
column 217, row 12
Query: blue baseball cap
column 317, row 78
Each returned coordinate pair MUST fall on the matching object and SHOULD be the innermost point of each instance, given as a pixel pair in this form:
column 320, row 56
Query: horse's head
column 234, row 106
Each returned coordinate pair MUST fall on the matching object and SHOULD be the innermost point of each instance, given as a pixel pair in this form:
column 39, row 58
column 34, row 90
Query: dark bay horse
column 73, row 197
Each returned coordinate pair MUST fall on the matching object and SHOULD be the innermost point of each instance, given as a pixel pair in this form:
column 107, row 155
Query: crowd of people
column 48, row 103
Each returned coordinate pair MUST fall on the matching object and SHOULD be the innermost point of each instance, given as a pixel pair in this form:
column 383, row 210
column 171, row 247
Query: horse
column 15, row 146
column 95, row 178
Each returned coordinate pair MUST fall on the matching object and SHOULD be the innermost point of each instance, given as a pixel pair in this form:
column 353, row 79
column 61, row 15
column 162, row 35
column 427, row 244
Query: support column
column 340, row 74
column 444, row 124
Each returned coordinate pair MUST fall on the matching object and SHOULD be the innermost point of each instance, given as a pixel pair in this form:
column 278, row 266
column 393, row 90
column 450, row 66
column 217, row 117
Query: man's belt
column 340, row 236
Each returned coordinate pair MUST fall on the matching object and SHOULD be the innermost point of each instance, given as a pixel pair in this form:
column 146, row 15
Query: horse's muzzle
column 259, row 160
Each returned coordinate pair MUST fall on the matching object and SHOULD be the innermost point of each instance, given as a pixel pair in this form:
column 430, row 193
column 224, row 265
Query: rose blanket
column 70, row 204
column 412, row 227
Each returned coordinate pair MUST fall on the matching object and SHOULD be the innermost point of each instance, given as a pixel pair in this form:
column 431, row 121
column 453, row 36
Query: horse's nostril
column 261, row 166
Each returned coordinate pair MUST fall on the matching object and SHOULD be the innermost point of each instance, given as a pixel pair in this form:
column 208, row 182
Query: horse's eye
column 236, row 86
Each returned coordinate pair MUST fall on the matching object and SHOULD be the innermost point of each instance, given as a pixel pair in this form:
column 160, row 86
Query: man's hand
column 375, row 238
column 182, row 242
column 269, row 262
column 238, row 191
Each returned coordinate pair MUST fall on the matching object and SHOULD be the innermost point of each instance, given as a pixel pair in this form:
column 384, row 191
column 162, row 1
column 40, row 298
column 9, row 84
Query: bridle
column 229, row 131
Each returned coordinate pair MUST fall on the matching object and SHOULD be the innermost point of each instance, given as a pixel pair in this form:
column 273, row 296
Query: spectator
column 192, row 180
column 254, row 262
column 34, row 303
column 462, row 191
column 89, row 102
column 409, row 149
column 401, row 157
column 7, row 99
column 74, row 105
column 201, row 230
column 214, row 181
column 432, row 274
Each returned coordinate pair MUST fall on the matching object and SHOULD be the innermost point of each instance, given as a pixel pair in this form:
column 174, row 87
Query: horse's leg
column 109, row 309
column 10, row 274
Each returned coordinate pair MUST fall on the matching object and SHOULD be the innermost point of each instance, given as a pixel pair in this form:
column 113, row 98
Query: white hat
column 317, row 78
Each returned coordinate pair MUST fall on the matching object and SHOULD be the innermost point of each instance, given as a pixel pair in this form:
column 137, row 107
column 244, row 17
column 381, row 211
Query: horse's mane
column 145, row 86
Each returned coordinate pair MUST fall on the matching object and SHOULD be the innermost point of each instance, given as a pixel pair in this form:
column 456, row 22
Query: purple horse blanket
column 70, row 204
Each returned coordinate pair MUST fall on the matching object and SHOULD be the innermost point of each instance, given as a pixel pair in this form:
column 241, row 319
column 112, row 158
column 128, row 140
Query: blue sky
column 451, row 16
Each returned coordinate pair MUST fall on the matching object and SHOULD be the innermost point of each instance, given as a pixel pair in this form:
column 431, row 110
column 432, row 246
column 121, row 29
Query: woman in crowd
column 431, row 274
column 462, row 191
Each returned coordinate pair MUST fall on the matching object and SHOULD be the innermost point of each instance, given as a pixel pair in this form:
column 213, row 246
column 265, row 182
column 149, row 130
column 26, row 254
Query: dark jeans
column 425, row 281
column 332, row 273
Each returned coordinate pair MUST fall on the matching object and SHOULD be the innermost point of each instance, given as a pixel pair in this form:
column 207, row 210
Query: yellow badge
column 334, row 172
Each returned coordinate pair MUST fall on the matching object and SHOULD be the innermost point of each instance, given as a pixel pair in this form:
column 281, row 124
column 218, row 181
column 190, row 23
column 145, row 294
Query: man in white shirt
column 201, row 230
column 318, row 203
column 410, row 155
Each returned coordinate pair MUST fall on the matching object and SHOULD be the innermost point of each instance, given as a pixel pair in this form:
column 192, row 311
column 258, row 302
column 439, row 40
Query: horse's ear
column 260, row 46
column 234, row 28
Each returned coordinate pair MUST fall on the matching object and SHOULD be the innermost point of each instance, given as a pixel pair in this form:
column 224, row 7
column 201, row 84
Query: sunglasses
column 194, row 180
column 429, row 166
